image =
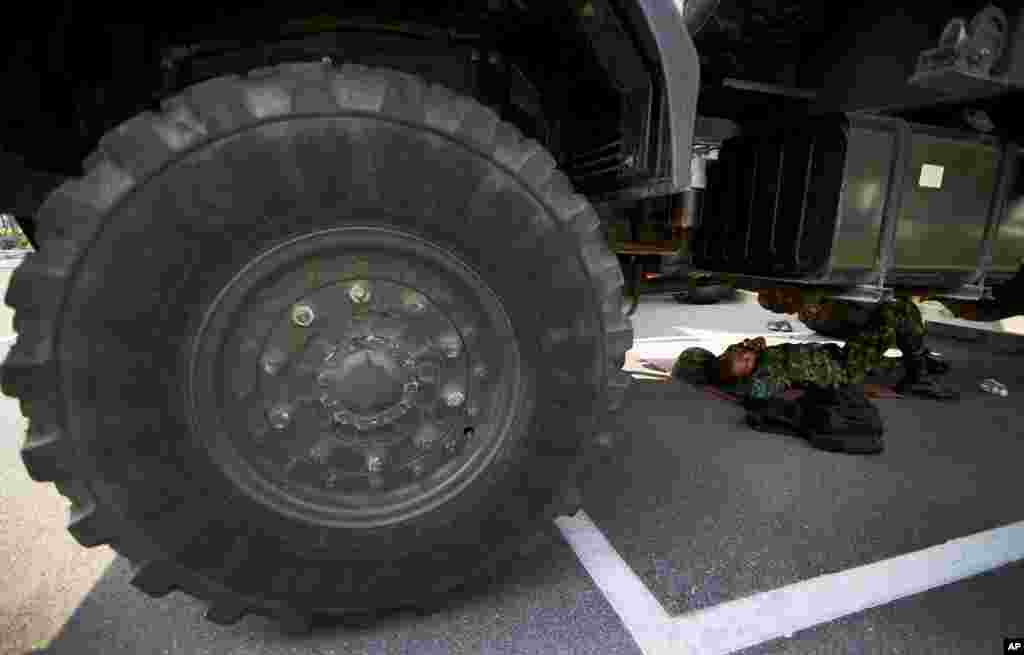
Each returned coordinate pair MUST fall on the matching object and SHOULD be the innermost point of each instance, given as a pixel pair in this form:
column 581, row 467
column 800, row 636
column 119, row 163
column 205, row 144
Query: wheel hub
column 366, row 380
column 373, row 366
column 371, row 390
column 373, row 384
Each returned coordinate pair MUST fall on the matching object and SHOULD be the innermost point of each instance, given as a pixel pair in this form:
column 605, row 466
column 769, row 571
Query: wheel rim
column 356, row 376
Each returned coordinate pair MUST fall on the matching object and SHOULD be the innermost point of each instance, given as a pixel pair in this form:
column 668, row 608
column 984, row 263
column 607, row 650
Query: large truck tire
column 315, row 340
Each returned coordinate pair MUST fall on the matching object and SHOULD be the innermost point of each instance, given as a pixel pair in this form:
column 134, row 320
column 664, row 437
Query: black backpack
column 835, row 419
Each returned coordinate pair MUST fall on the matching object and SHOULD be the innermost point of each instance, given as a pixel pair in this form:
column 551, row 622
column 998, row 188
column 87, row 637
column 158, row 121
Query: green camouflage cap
column 694, row 365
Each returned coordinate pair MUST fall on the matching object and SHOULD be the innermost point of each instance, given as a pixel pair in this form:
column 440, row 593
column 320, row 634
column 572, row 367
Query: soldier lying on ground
column 754, row 370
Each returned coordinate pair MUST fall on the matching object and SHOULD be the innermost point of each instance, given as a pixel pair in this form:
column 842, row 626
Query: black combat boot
column 934, row 364
column 921, row 378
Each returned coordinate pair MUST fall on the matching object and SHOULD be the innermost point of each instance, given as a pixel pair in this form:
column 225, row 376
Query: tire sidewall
column 127, row 328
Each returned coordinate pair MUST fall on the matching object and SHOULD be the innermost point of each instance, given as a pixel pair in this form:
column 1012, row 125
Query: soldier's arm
column 781, row 300
column 764, row 388
column 770, row 379
column 806, row 302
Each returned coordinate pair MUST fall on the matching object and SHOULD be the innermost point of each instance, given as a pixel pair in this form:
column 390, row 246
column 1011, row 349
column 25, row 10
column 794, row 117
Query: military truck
column 323, row 313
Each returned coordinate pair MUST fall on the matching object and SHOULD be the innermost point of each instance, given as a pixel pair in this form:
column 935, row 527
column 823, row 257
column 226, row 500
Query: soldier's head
column 736, row 364
column 739, row 360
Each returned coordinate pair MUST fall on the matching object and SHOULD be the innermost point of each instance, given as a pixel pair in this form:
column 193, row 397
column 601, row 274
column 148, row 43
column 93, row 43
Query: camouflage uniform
column 869, row 331
column 868, row 335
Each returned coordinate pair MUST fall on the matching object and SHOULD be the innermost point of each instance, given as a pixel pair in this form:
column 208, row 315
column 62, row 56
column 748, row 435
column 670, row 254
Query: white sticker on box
column 931, row 176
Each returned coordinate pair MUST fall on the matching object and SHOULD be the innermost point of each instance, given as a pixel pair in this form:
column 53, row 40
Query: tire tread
column 138, row 148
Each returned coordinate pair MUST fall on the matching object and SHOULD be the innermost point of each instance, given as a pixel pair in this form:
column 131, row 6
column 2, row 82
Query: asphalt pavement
column 698, row 510
column 8, row 262
column 46, row 573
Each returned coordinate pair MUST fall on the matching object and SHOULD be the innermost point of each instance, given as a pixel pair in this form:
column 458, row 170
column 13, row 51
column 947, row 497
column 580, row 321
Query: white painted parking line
column 638, row 609
column 739, row 624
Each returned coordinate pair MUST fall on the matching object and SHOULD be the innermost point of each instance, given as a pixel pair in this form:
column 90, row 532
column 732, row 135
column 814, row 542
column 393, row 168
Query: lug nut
column 454, row 397
column 374, row 463
column 480, row 371
column 280, row 417
column 327, row 401
column 323, row 379
column 450, row 345
column 331, row 479
column 359, row 292
column 273, row 360
column 303, row 315
column 341, row 418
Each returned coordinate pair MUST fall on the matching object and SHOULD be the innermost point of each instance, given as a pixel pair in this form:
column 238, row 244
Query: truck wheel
column 315, row 340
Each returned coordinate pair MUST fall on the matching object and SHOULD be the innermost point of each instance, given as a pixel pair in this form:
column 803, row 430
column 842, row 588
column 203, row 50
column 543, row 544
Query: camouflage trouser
column 869, row 332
